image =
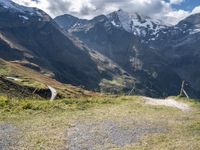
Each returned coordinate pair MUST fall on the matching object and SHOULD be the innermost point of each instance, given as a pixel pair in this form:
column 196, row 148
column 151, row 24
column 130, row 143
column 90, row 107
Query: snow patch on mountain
column 13, row 7
column 135, row 23
column 195, row 30
column 24, row 17
column 7, row 3
column 113, row 22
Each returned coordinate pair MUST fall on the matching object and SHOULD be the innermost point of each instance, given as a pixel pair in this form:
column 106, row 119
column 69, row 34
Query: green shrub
column 3, row 101
column 70, row 101
column 26, row 106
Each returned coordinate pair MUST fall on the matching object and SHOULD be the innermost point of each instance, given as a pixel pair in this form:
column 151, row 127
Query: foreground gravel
column 8, row 136
column 107, row 134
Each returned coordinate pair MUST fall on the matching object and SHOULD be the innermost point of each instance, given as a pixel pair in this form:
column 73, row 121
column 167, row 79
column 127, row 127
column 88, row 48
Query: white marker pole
column 53, row 93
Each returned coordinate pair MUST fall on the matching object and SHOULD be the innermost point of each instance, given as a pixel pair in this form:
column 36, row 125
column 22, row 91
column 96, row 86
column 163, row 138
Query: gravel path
column 107, row 134
column 167, row 102
column 8, row 136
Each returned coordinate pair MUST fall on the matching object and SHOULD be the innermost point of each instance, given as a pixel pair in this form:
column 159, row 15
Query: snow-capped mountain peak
column 24, row 12
column 190, row 24
column 135, row 23
column 7, row 3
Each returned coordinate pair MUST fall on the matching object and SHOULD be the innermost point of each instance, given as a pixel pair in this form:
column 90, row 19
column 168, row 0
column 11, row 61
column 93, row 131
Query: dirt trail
column 167, row 102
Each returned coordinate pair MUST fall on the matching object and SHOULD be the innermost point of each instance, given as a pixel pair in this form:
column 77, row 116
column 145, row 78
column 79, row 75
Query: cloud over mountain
column 159, row 9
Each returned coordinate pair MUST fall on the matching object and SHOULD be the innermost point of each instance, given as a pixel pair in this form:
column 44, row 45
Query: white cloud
column 173, row 17
column 95, row 7
column 44, row 5
column 176, row 1
column 196, row 10
column 159, row 9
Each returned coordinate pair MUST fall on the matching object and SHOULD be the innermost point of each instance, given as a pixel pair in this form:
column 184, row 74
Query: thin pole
column 131, row 90
column 182, row 88
column 183, row 92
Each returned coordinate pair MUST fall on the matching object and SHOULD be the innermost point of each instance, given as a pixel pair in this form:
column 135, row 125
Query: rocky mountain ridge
column 150, row 51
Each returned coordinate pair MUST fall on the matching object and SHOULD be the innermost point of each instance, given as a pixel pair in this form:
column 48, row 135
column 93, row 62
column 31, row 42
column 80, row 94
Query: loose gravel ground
column 8, row 136
column 107, row 134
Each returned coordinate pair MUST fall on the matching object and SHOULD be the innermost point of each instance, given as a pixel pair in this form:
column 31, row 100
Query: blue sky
column 169, row 11
column 187, row 5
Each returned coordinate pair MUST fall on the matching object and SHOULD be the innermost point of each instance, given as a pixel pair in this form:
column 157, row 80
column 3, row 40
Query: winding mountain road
column 167, row 102
column 13, row 78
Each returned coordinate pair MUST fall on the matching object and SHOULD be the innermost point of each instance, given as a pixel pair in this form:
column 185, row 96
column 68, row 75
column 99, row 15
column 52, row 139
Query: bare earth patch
column 167, row 102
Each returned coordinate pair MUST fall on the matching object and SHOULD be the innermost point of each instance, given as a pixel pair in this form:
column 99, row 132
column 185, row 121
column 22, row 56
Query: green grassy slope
column 33, row 80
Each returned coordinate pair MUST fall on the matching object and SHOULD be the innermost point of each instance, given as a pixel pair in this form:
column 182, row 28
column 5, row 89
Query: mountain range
column 115, row 53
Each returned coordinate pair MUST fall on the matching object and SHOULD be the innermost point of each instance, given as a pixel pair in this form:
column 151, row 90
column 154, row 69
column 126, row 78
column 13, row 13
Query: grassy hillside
column 98, row 123
column 28, row 79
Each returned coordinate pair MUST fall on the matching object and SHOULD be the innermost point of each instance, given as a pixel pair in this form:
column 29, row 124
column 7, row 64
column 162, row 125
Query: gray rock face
column 67, row 21
column 158, row 56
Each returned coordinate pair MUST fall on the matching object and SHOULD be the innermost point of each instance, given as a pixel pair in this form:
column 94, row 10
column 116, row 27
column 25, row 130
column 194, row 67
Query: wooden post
column 183, row 92
column 132, row 89
column 182, row 88
column 186, row 94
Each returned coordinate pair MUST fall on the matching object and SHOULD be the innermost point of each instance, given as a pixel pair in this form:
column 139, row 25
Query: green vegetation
column 7, row 70
column 28, row 78
column 15, row 105
column 31, row 83
column 119, row 84
column 4, row 69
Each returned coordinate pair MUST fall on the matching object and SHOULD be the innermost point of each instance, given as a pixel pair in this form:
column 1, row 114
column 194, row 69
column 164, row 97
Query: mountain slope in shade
column 68, row 21
column 30, row 35
column 180, row 45
column 149, row 57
